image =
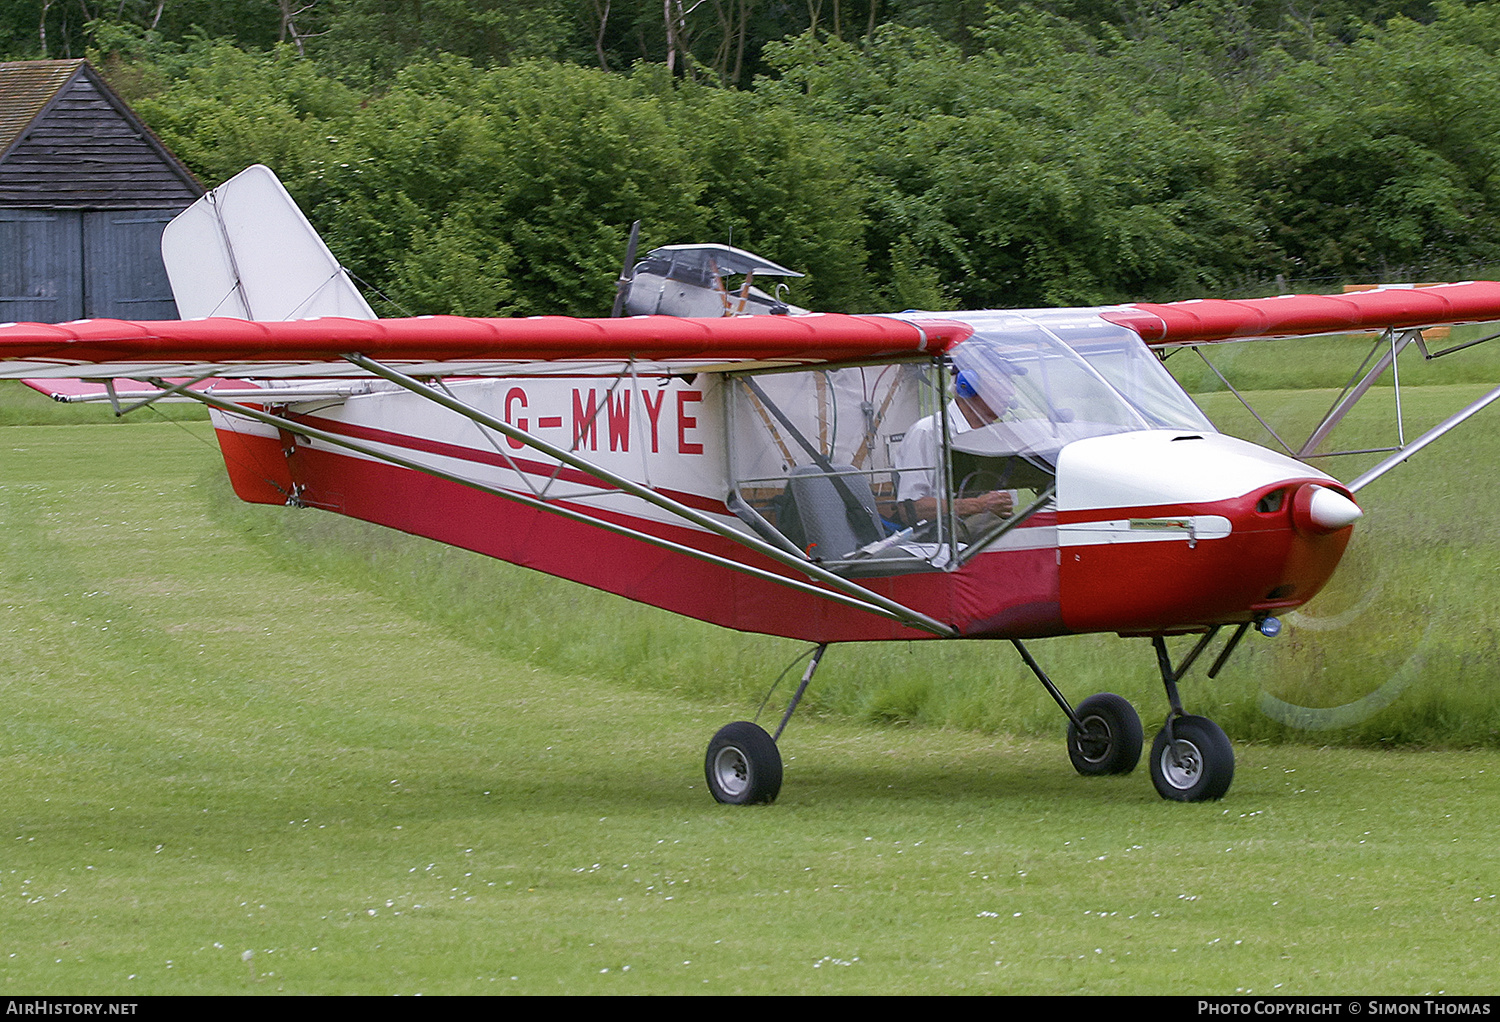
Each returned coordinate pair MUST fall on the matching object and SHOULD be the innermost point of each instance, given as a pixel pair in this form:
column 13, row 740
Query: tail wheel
column 1195, row 765
column 743, row 765
column 1108, row 737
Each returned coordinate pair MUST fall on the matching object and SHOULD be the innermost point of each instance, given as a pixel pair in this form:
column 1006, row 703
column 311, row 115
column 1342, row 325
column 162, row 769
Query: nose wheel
column 1191, row 760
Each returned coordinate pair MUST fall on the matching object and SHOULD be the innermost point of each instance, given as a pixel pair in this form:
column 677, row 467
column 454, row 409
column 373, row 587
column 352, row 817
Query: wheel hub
column 1181, row 764
column 1094, row 740
column 732, row 771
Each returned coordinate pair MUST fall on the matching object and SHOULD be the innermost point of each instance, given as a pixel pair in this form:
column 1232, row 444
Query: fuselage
column 1138, row 517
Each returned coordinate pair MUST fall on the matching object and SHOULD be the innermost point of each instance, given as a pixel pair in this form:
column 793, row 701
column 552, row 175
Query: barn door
column 62, row 264
column 41, row 266
column 123, row 275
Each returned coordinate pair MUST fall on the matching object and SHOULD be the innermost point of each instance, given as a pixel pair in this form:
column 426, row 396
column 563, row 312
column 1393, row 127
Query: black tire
column 1111, row 738
column 1196, row 766
column 743, row 765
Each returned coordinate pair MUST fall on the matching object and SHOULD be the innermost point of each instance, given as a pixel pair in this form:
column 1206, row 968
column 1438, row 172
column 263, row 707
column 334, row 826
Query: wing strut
column 1352, row 394
column 1422, row 441
column 1394, row 342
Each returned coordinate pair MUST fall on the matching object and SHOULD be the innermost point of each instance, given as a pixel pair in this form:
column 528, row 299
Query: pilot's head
column 977, row 408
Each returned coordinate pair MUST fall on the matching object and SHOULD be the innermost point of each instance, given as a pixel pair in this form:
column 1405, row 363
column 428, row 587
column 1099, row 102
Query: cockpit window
column 1094, row 377
column 860, row 469
column 816, row 458
column 886, row 470
column 1044, row 394
column 1119, row 355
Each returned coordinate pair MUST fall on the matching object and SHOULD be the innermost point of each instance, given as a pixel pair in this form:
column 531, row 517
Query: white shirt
column 916, row 460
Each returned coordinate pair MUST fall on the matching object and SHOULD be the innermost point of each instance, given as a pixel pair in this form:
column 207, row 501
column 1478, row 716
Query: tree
column 380, row 36
column 1385, row 154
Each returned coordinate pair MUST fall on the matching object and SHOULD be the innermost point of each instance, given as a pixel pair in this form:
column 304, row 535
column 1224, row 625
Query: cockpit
column 892, row 469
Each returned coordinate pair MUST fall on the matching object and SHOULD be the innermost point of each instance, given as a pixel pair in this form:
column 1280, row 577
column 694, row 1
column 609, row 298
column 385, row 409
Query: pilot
column 916, row 460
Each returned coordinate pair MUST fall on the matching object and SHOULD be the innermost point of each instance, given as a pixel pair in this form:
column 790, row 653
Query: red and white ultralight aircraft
column 988, row 475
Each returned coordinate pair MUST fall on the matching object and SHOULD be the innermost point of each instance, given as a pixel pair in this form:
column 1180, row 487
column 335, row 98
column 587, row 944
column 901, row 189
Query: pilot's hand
column 996, row 502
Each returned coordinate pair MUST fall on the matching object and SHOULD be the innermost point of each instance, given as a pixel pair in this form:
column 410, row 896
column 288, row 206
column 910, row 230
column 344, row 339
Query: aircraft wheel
column 1110, row 739
column 1197, row 766
column 743, row 765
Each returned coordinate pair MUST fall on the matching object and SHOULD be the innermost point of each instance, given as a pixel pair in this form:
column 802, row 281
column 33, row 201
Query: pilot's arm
column 916, row 462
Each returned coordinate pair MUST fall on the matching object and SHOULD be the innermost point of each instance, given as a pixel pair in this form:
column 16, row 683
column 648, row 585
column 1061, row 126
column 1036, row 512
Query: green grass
column 1324, row 362
column 222, row 736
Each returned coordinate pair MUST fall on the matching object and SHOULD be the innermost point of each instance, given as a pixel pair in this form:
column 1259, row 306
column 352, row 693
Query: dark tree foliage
column 67, row 28
column 487, row 157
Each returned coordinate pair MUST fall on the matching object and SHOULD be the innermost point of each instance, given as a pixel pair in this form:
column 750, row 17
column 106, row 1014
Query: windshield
column 1041, row 393
column 1045, row 378
column 1119, row 355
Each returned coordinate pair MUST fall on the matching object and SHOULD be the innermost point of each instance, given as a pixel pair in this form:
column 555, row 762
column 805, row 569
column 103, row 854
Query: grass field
column 236, row 729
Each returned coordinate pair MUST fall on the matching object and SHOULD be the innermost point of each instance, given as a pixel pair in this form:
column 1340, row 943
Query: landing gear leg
column 1191, row 758
column 1104, row 732
column 743, row 764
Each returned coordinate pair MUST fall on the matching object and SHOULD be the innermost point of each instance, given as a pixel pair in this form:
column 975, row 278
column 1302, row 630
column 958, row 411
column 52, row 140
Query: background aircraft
column 1002, row 475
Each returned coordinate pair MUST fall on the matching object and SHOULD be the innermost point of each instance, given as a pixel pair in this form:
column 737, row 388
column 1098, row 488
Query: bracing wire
column 781, row 677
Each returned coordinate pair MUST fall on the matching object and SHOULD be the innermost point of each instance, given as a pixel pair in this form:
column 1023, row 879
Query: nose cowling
column 1168, row 531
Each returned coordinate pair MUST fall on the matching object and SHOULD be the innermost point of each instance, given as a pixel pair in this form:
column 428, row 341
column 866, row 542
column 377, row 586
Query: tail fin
column 245, row 251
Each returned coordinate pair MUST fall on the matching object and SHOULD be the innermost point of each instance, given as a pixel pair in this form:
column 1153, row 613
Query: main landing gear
column 743, row 764
column 1107, row 737
column 1191, row 758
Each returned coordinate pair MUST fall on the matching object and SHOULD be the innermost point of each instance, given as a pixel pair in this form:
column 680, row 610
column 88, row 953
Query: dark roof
column 68, row 142
column 25, row 87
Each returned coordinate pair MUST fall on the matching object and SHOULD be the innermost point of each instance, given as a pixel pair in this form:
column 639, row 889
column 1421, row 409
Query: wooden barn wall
column 84, row 154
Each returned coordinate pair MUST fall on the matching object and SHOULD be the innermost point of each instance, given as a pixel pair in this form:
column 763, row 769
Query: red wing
column 1305, row 315
column 452, row 345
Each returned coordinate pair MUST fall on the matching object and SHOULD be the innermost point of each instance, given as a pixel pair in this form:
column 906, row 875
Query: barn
column 85, row 190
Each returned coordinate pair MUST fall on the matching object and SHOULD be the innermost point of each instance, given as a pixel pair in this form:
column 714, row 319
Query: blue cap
column 964, row 385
